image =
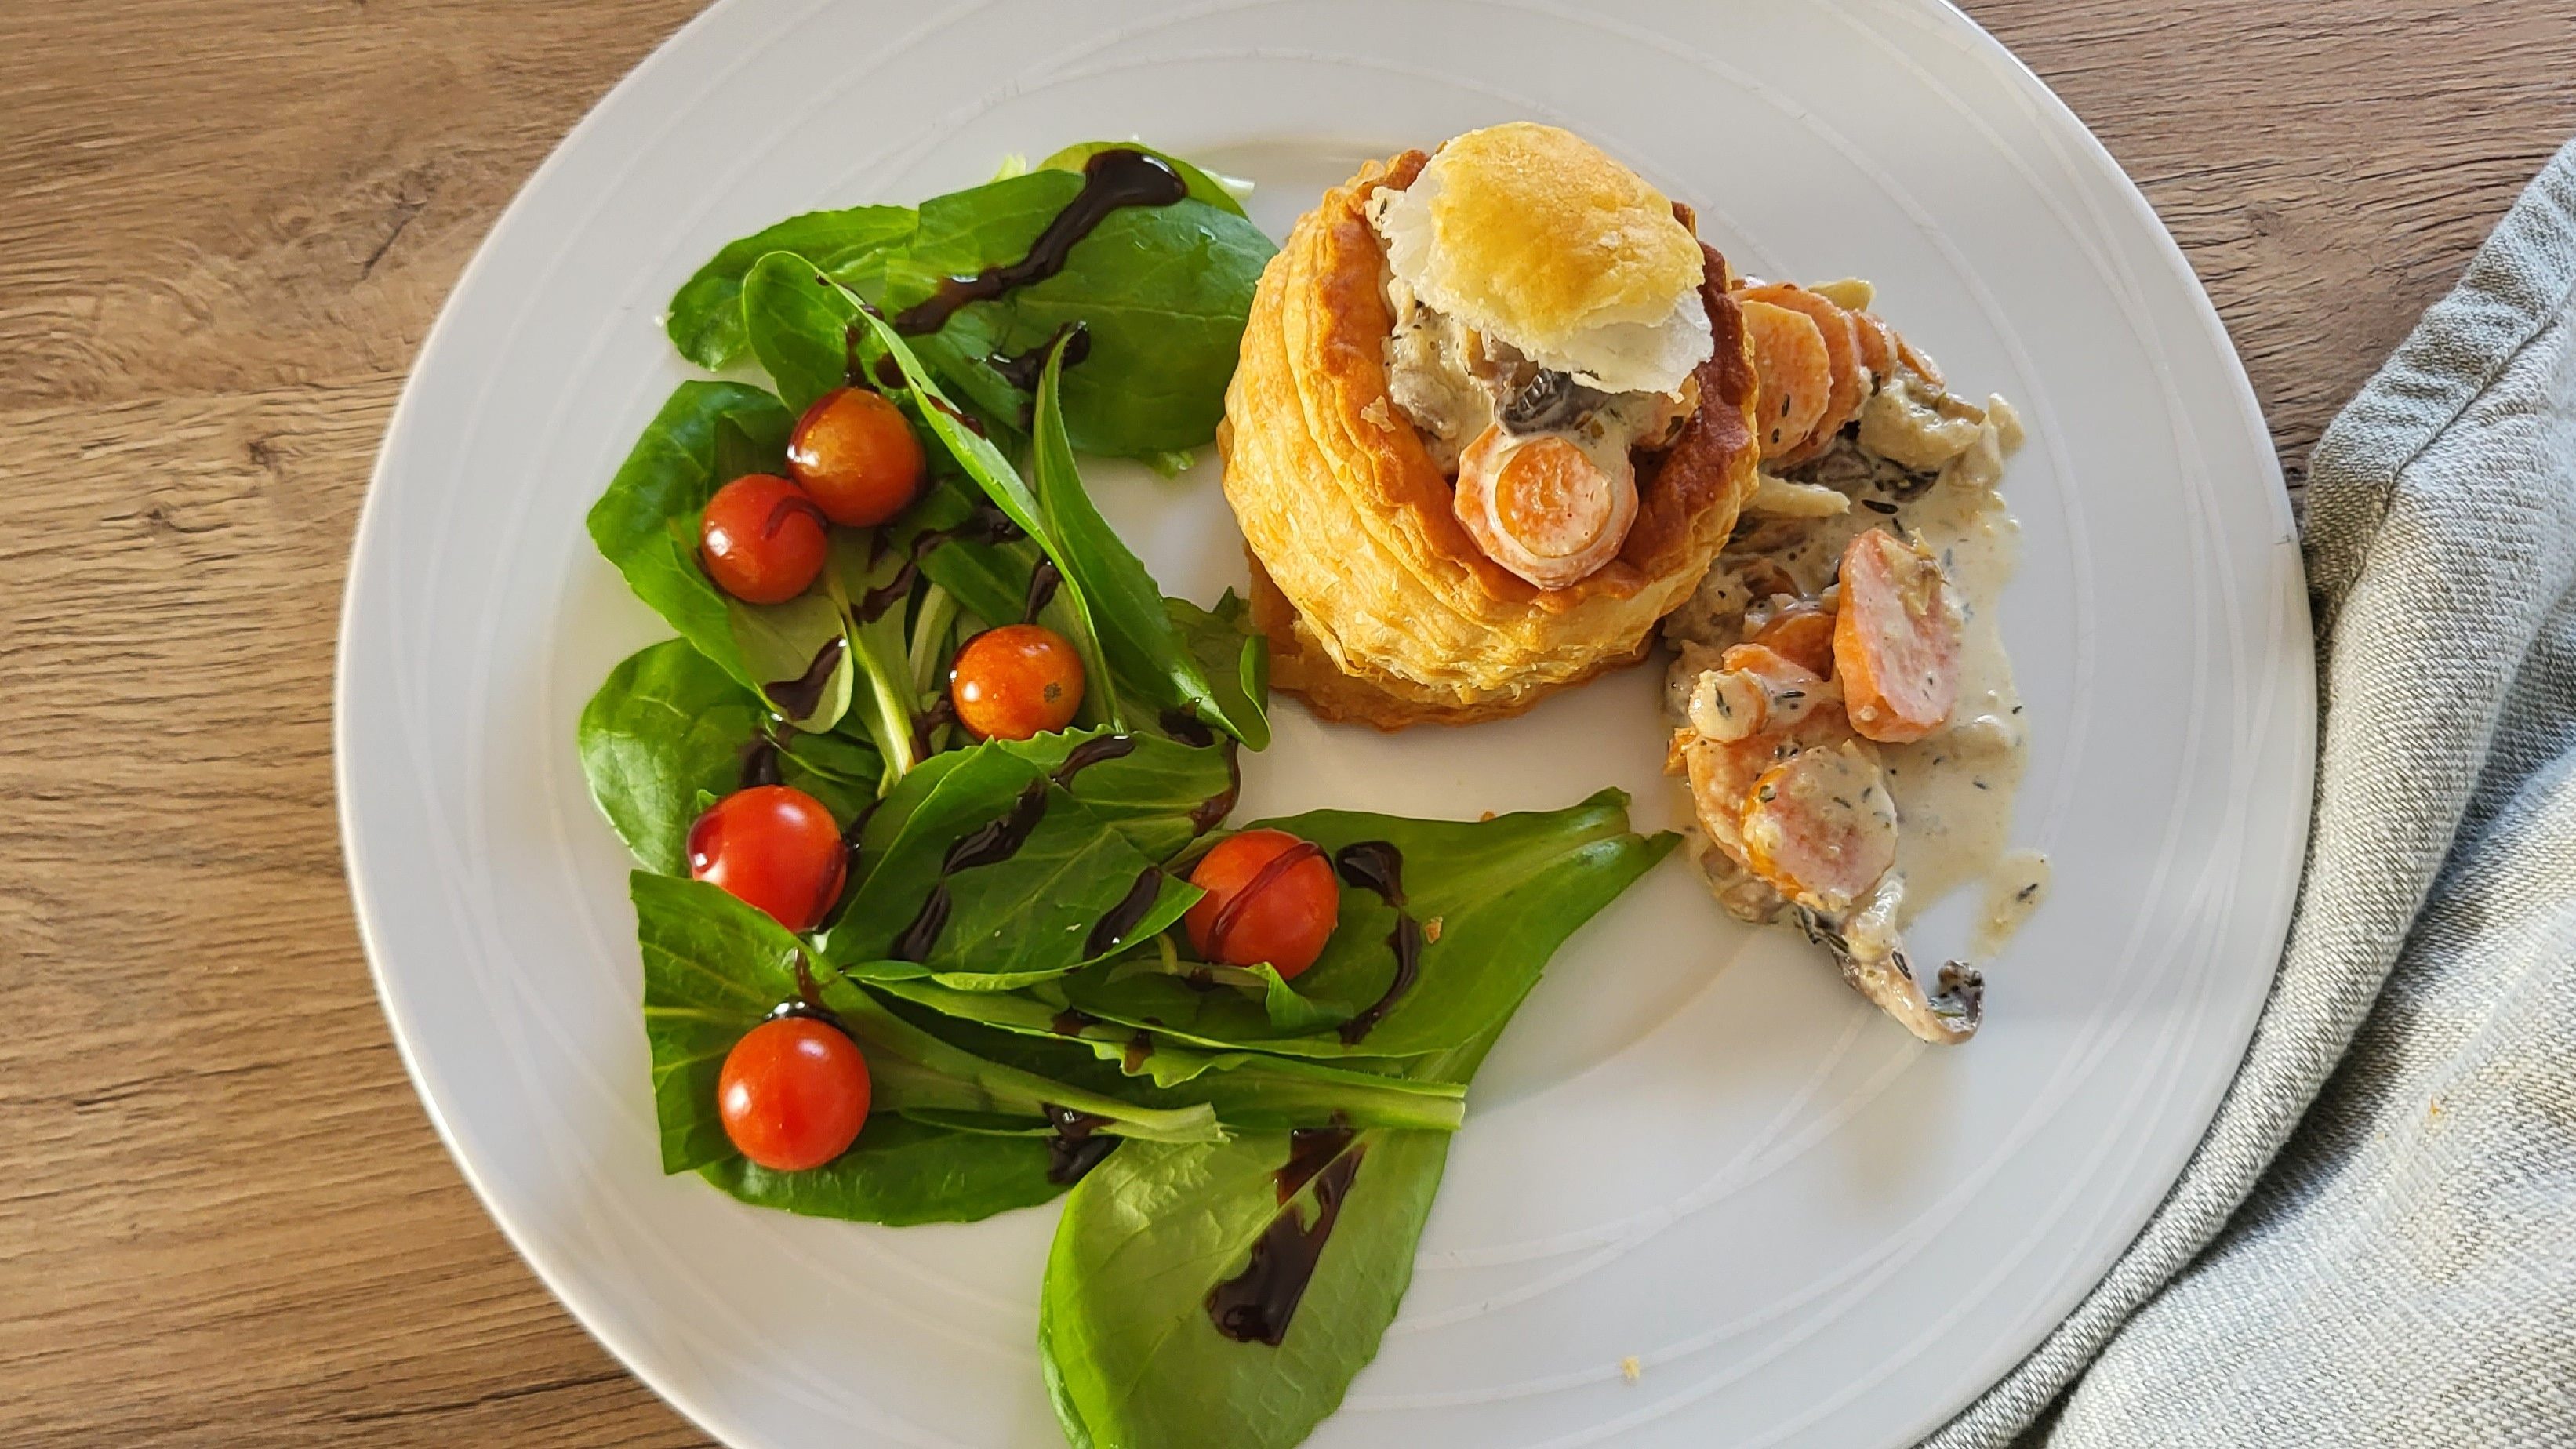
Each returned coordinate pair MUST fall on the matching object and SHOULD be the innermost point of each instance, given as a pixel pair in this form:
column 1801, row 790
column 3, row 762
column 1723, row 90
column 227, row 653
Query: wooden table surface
column 225, row 227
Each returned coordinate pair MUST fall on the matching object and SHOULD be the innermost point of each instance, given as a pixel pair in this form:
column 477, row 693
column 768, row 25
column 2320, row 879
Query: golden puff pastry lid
column 1379, row 606
column 1534, row 236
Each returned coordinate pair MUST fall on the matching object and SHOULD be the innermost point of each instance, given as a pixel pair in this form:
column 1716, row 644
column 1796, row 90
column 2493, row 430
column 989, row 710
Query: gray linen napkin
column 2376, row 1243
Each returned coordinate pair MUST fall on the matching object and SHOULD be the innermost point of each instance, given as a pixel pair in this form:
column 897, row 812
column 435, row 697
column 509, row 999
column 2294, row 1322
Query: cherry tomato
column 857, row 456
column 775, row 847
column 1016, row 681
column 793, row 1093
column 1270, row 897
column 762, row 539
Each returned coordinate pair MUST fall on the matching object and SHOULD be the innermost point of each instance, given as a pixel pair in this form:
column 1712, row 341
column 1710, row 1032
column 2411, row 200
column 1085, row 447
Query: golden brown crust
column 1375, row 579
column 1539, row 236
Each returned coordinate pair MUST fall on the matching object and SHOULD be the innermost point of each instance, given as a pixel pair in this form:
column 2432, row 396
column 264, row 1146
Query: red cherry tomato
column 1016, row 681
column 762, row 539
column 793, row 1093
column 775, row 847
column 1270, row 897
column 855, row 453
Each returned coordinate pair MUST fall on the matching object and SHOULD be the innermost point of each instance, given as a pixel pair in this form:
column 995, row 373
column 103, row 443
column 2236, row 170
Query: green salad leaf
column 1132, row 1356
column 668, row 726
column 1159, row 1242
column 705, row 321
column 902, row 1171
column 1162, row 291
column 646, row 523
column 1140, row 630
column 1505, row 894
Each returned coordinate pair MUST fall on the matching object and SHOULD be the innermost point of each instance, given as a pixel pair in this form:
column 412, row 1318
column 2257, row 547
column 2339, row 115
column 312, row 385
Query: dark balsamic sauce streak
column 1373, row 865
column 944, row 405
column 1211, row 812
column 801, row 696
column 1043, row 582
column 1255, row 1305
column 1070, row 1022
column 1099, row 751
column 1262, row 880
column 1184, row 726
column 874, row 603
column 1140, row 1047
column 1023, row 369
column 890, row 374
column 1122, row 918
column 1073, row 1150
column 760, row 763
column 1110, row 179
column 988, row 844
column 928, row 723
column 1406, row 941
column 789, row 507
column 1309, row 1148
column 1377, row 865
column 808, row 1000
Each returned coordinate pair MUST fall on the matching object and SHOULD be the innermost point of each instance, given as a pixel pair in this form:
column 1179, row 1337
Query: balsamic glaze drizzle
column 1262, row 880
column 1376, row 865
column 801, row 696
column 1184, row 726
column 1211, row 812
column 997, row 841
column 1043, row 582
column 1073, row 1149
column 1023, row 369
column 1255, row 1305
column 760, row 763
column 1110, row 179
column 1112, row 931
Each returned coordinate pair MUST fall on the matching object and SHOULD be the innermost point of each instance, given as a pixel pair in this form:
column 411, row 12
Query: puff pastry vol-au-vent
column 1493, row 419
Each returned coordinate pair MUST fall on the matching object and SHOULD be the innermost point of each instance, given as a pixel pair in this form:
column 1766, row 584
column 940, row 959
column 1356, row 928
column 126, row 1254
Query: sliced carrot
column 1794, row 371
column 1803, row 634
column 1877, row 344
column 1846, row 388
column 1896, row 639
column 1819, row 826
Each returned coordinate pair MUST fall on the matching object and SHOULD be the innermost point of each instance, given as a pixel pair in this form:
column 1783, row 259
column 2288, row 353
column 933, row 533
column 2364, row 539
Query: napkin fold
column 2376, row 1242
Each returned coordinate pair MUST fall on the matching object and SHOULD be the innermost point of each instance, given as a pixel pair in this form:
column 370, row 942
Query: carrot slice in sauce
column 1795, row 372
column 1846, row 387
column 1896, row 639
column 1803, row 634
column 1819, row 826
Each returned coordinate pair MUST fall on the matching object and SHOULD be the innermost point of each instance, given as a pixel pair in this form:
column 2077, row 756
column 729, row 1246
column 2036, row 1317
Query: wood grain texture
column 224, row 1218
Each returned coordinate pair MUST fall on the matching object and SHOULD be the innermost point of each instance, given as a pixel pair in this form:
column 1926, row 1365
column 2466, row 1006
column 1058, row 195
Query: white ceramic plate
column 1696, row 1147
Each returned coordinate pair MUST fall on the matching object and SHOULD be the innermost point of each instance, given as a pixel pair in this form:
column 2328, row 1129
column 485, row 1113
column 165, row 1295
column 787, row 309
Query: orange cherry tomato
column 1270, row 897
column 774, row 847
column 762, row 539
column 857, row 455
column 793, row 1093
column 1016, row 681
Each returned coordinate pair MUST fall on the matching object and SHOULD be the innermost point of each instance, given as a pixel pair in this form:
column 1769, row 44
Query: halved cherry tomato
column 1016, row 681
column 857, row 455
column 1270, row 897
column 793, row 1093
column 774, row 847
column 762, row 539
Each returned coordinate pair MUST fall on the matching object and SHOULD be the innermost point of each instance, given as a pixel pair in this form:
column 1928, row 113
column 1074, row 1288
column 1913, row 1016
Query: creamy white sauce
column 1954, row 790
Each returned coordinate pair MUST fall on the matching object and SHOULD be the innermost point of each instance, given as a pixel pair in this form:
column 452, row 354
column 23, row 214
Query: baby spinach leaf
column 912, row 1069
column 706, row 317
column 668, row 725
column 798, row 325
column 1139, row 629
column 1203, row 187
column 1011, row 922
column 1133, row 1354
column 900, row 1172
column 647, row 522
column 1504, row 893
column 1246, row 1089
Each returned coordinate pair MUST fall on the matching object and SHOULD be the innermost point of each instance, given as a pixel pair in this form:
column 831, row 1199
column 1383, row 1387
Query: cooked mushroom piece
column 1864, row 943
